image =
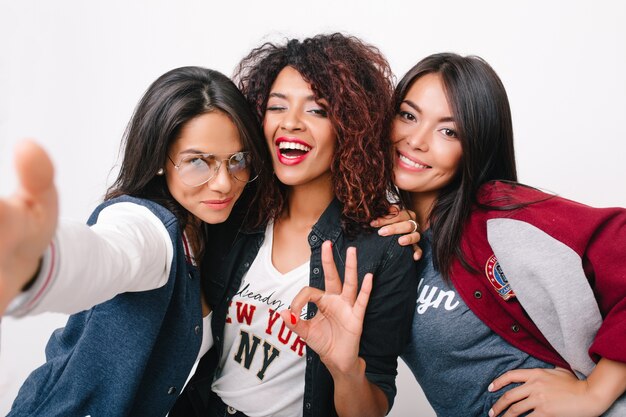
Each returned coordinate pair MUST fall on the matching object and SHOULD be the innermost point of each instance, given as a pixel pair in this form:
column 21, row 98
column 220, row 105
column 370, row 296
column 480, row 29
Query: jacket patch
column 497, row 279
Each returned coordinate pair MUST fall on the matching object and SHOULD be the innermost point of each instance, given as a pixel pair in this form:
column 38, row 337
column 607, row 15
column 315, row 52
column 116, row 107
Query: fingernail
column 293, row 319
column 382, row 231
column 490, row 387
column 402, row 241
column 374, row 223
column 491, row 412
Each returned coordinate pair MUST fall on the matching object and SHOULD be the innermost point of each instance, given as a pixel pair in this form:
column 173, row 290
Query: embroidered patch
column 497, row 279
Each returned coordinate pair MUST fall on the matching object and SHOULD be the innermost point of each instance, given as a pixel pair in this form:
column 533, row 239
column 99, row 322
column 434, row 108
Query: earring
column 161, row 171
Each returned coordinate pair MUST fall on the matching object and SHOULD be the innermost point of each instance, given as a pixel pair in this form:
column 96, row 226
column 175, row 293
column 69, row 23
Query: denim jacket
column 387, row 321
column 129, row 356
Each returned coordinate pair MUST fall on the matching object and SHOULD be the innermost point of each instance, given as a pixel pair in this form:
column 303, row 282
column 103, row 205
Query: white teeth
column 294, row 145
column 410, row 162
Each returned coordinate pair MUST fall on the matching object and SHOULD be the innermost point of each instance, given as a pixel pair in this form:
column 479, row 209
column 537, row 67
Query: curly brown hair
column 357, row 82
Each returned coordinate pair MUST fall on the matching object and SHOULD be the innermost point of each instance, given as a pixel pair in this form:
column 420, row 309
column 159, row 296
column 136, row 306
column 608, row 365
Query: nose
column 222, row 181
column 418, row 138
column 292, row 121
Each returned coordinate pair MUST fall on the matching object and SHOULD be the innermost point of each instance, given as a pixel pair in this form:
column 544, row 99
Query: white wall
column 72, row 71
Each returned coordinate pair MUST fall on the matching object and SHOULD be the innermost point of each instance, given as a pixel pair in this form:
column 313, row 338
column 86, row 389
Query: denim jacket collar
column 328, row 227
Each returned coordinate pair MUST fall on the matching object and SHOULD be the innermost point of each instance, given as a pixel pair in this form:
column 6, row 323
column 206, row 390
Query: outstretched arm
column 557, row 392
column 335, row 332
column 28, row 219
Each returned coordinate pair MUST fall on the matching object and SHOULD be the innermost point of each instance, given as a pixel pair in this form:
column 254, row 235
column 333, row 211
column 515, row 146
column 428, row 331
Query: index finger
column 332, row 282
column 396, row 214
column 509, row 377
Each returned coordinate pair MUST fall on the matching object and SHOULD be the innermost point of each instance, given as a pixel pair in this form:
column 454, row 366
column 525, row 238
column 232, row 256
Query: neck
column 307, row 202
column 422, row 204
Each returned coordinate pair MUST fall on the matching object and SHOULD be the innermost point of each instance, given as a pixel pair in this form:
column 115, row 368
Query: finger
column 394, row 215
column 34, row 168
column 36, row 176
column 404, row 227
column 417, row 253
column 517, row 409
column 410, row 239
column 332, row 282
column 360, row 306
column 304, row 296
column 509, row 398
column 351, row 280
column 516, row 375
column 293, row 323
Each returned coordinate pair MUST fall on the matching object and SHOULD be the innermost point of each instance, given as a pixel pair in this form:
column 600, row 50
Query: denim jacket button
column 196, row 329
column 316, row 271
column 230, row 410
column 247, row 264
column 313, row 238
column 308, row 406
column 171, row 390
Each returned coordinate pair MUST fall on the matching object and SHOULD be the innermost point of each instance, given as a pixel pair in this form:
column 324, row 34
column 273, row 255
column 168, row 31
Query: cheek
column 448, row 155
column 396, row 132
column 269, row 128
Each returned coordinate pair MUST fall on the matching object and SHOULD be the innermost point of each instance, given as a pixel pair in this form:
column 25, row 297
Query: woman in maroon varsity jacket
column 522, row 295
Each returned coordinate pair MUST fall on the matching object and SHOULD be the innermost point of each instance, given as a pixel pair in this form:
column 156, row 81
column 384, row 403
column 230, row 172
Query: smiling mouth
column 293, row 150
column 411, row 162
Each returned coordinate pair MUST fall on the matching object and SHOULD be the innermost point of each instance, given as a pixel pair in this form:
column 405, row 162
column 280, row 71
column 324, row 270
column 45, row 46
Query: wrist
column 33, row 276
column 349, row 372
column 599, row 398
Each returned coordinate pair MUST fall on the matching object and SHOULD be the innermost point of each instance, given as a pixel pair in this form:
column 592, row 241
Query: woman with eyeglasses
column 131, row 279
column 325, row 106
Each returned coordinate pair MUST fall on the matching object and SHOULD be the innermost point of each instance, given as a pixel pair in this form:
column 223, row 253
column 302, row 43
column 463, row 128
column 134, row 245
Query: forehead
column 290, row 82
column 212, row 132
column 429, row 93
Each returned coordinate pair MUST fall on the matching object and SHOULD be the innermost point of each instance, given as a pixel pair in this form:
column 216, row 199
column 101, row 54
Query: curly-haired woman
column 324, row 103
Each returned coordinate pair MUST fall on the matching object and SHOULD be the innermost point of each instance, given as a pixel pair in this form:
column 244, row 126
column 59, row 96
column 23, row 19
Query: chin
column 215, row 218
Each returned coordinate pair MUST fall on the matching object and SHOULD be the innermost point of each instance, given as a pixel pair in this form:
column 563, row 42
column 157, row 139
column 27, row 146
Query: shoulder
column 514, row 206
column 127, row 205
column 382, row 250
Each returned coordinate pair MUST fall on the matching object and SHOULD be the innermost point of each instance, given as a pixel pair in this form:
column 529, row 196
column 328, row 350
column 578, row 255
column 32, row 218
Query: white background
column 71, row 73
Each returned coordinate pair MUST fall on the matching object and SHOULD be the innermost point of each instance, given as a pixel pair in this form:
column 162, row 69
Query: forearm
column 355, row 395
column 607, row 382
column 125, row 251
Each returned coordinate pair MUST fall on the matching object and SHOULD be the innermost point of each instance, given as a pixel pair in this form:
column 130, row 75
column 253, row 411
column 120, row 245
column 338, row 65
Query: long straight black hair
column 171, row 101
column 482, row 115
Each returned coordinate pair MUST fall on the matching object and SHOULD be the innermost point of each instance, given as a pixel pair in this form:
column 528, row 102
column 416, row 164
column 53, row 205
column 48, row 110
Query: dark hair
column 482, row 115
column 356, row 80
column 172, row 100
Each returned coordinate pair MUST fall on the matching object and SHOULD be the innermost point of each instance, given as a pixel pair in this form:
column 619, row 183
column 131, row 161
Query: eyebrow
column 283, row 96
column 197, row 152
column 419, row 110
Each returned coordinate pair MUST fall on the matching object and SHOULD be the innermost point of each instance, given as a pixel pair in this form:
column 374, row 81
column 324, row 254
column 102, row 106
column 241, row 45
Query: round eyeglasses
column 197, row 169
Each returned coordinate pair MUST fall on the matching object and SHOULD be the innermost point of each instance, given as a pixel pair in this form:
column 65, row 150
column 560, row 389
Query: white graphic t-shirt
column 263, row 362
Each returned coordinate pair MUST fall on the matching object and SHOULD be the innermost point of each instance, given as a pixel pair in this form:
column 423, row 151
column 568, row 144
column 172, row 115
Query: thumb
column 34, row 168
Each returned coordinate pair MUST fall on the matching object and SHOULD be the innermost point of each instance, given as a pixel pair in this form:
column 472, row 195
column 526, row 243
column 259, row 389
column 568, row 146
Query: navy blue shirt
column 453, row 355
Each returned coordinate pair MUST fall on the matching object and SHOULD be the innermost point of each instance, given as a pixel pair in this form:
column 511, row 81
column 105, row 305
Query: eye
column 407, row 116
column 275, row 107
column 319, row 112
column 194, row 161
column 449, row 132
column 238, row 161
